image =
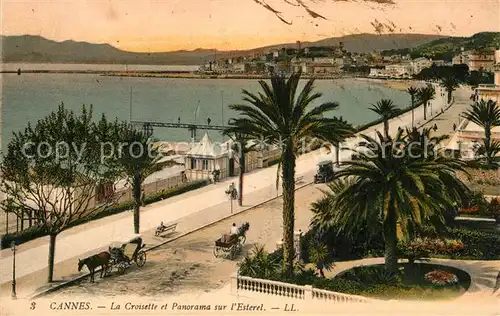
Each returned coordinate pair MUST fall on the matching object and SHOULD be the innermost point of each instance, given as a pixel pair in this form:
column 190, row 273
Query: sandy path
column 188, row 265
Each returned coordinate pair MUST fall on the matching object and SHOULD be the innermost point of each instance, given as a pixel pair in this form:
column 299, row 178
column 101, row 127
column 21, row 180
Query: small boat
column 19, row 71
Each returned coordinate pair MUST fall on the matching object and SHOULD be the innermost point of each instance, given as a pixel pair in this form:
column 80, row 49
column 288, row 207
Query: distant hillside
column 366, row 43
column 447, row 47
column 27, row 48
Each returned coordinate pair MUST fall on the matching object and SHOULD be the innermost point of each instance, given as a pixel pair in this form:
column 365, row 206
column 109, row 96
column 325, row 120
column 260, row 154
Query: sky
column 166, row 25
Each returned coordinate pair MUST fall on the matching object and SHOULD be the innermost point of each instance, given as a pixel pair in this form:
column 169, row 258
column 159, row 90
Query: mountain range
column 29, row 48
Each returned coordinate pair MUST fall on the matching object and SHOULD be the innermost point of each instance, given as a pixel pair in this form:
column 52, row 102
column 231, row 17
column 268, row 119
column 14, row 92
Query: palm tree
column 450, row 84
column 137, row 160
column 280, row 116
column 412, row 91
column 425, row 95
column 387, row 110
column 387, row 187
column 320, row 257
column 487, row 115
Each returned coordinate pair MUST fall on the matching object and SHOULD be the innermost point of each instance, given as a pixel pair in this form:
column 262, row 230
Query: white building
column 420, row 63
column 205, row 157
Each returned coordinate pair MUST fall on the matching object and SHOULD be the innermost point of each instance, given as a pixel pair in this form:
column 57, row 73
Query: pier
column 148, row 127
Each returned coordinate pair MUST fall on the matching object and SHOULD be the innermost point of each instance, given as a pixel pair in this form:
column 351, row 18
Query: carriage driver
column 234, row 230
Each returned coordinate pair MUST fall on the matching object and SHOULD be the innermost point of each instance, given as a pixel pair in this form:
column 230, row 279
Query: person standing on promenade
column 143, row 197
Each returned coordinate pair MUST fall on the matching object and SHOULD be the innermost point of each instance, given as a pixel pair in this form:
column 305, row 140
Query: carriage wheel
column 232, row 251
column 140, row 259
column 216, row 252
column 242, row 239
column 109, row 269
column 121, row 268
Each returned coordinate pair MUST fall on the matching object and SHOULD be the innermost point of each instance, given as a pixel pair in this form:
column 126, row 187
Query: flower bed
column 469, row 210
column 441, row 278
column 421, row 281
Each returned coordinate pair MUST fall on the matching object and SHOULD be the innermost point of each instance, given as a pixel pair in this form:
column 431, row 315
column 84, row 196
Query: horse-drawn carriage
column 126, row 251
column 120, row 255
column 228, row 246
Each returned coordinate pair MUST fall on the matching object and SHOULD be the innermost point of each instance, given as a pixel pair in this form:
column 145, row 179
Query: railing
column 243, row 284
column 493, row 87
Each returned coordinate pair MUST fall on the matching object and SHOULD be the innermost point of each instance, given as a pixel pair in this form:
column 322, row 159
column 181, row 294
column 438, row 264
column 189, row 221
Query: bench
column 168, row 228
column 299, row 179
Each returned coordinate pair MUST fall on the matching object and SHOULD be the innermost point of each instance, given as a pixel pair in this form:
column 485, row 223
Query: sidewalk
column 191, row 208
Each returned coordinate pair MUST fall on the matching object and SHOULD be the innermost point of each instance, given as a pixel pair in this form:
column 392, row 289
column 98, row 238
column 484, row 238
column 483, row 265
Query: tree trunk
column 240, row 184
column 449, row 96
column 337, row 154
column 487, row 145
column 136, row 187
column 391, row 242
column 288, row 207
column 322, row 273
column 425, row 111
column 31, row 219
column 386, row 129
column 52, row 255
column 412, row 108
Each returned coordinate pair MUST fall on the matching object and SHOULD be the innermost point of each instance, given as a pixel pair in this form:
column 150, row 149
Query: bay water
column 31, row 96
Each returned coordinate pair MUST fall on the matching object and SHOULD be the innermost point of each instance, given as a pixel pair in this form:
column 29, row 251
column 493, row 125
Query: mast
column 130, row 105
column 222, row 107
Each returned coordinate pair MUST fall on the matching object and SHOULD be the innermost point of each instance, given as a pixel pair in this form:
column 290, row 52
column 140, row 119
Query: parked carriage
column 228, row 246
column 324, row 172
column 125, row 252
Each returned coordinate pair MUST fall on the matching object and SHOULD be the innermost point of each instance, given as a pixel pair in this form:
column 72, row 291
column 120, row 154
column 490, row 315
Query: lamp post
column 13, row 248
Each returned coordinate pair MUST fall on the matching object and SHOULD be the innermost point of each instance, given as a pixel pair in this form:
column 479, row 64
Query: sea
column 28, row 97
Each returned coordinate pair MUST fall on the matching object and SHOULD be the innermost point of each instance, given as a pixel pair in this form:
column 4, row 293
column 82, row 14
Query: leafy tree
column 386, row 110
column 425, row 95
column 487, row 115
column 450, row 84
column 389, row 187
column 280, row 116
column 53, row 171
column 480, row 77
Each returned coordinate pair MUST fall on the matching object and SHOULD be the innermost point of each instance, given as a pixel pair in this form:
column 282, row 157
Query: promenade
column 191, row 210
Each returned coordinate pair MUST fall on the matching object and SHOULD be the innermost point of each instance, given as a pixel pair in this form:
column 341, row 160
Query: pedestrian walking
column 454, row 126
column 143, row 198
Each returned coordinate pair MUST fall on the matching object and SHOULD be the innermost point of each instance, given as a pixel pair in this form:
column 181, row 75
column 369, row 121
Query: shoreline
column 169, row 74
column 396, row 84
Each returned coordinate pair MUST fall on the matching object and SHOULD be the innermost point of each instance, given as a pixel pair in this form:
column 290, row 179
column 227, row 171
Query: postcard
column 250, row 157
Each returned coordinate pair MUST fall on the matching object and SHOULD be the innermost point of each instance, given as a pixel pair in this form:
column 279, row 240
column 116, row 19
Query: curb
column 79, row 278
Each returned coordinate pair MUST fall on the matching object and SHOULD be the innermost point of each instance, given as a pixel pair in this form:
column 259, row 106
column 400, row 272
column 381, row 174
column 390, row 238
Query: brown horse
column 92, row 262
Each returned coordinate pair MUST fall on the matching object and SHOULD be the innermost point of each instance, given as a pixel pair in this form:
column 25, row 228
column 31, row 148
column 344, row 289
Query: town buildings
column 483, row 59
column 404, row 68
column 491, row 91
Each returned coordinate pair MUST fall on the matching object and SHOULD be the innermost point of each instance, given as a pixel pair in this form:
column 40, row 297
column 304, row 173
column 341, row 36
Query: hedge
column 478, row 245
column 37, row 231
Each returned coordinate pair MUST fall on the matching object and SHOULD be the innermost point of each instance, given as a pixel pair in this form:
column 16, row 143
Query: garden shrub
column 477, row 244
column 344, row 247
column 37, row 232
